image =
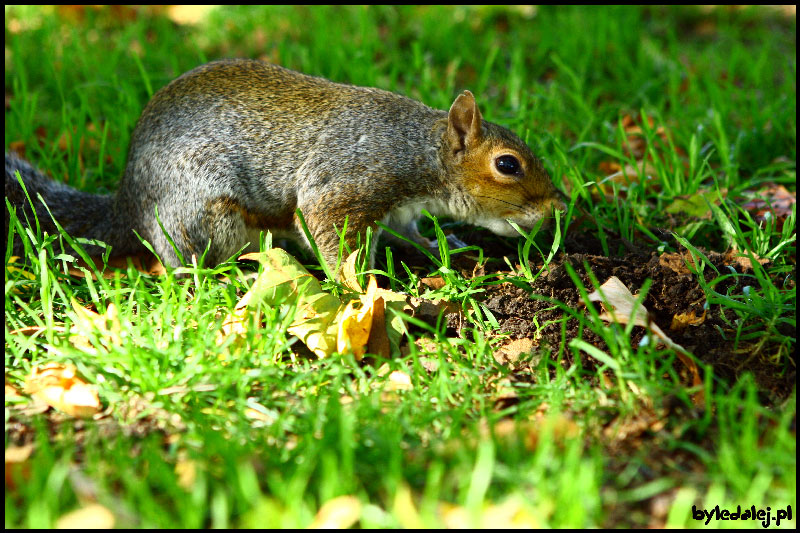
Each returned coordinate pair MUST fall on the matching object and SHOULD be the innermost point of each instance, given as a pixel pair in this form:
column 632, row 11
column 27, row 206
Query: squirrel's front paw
column 453, row 242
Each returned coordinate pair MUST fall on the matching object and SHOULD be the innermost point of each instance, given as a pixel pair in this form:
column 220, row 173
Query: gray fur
column 237, row 145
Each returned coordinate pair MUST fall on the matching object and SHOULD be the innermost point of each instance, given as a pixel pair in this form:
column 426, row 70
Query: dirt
column 645, row 438
column 527, row 311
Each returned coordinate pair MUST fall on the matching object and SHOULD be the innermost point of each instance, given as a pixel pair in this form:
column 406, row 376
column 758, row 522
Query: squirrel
column 234, row 147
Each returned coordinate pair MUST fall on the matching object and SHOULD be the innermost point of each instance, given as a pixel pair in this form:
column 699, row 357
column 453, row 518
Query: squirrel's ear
column 464, row 122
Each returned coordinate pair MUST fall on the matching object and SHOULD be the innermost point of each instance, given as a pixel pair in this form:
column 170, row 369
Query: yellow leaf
column 347, row 274
column 355, row 324
column 284, row 281
column 18, row 454
column 317, row 326
column 338, row 513
column 682, row 320
column 404, row 509
column 59, row 386
column 186, row 470
column 92, row 516
column 24, row 273
column 321, row 321
column 398, row 380
column 107, row 326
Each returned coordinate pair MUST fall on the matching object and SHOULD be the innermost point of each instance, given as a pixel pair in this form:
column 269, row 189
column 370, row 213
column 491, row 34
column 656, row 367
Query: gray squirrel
column 235, row 147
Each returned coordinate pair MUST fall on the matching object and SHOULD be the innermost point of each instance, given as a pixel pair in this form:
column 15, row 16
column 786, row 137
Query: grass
column 250, row 435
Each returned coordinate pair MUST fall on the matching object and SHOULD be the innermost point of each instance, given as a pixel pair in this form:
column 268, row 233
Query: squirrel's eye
column 507, row 164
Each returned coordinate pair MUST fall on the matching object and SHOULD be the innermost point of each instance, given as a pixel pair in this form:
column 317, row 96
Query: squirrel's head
column 501, row 177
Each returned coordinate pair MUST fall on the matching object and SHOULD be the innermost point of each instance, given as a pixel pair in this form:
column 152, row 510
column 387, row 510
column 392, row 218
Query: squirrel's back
column 267, row 112
column 235, row 147
column 256, row 138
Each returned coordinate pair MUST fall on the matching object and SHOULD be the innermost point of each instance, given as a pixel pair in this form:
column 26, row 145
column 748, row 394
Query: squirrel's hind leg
column 217, row 231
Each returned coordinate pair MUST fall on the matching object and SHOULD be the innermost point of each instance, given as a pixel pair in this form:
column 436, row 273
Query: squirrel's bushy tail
column 80, row 213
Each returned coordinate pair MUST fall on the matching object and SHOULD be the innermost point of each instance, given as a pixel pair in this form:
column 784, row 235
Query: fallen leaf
column 404, row 509
column 355, row 324
column 189, row 14
column 398, row 381
column 675, row 262
column 513, row 350
column 18, row 454
column 11, row 392
column 378, row 343
column 681, row 321
column 629, row 426
column 347, row 273
column 771, row 201
column 285, row 280
column 18, row 466
column 742, row 260
column 186, row 472
column 339, row 513
column 429, row 310
column 322, row 321
column 146, row 263
column 513, row 513
column 29, row 331
column 19, row 147
column 628, row 174
column 259, row 413
column 697, row 204
column 107, row 326
column 92, row 516
column 10, row 267
column 59, row 386
column 434, row 283
column 615, row 294
column 636, row 144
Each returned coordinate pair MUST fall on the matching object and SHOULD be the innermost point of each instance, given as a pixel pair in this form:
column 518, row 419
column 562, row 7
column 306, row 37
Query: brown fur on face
column 474, row 148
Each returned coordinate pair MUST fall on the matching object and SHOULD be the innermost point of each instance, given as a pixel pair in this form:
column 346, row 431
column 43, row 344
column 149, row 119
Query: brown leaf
column 636, row 144
column 633, row 425
column 561, row 427
column 429, row 310
column 18, row 147
column 378, row 343
column 677, row 262
column 777, row 201
column 616, row 295
column 628, row 174
column 435, row 282
column 513, row 350
column 742, row 260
